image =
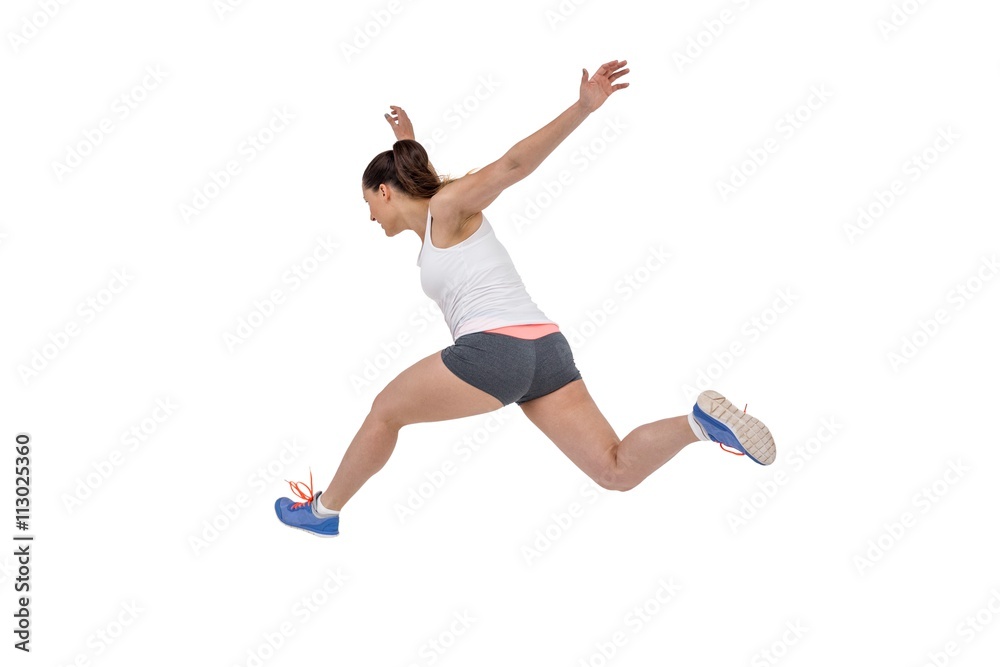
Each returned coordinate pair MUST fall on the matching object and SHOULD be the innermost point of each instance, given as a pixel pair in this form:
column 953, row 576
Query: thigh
column 427, row 391
column 571, row 420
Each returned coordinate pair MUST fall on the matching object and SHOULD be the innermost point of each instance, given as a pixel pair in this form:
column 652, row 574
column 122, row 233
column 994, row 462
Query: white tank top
column 475, row 283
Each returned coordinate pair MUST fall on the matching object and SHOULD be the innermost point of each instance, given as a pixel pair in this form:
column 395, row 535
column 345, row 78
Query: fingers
column 609, row 72
column 618, row 74
column 396, row 117
column 609, row 67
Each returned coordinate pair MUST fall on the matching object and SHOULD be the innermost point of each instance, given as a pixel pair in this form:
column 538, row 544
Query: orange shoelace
column 297, row 489
column 733, row 451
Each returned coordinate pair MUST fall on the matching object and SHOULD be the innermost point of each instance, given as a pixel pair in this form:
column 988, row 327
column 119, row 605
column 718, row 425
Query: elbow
column 510, row 161
column 514, row 169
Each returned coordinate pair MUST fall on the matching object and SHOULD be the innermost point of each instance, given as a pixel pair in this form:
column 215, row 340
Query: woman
column 505, row 349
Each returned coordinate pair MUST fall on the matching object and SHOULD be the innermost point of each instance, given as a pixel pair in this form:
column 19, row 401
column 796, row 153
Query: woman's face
column 378, row 207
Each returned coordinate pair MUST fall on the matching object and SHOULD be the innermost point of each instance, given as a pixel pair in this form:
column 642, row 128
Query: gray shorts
column 513, row 370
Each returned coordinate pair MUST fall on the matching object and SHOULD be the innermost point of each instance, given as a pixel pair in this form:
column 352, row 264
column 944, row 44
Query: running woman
column 506, row 350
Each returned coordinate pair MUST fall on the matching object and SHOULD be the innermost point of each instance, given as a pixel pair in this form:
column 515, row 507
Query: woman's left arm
column 528, row 153
column 474, row 192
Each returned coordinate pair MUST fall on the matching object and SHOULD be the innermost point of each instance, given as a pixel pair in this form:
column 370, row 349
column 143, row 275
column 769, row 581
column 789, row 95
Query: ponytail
column 407, row 168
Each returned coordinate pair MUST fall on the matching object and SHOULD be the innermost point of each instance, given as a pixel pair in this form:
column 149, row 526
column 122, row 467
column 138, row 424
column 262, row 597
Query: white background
column 821, row 545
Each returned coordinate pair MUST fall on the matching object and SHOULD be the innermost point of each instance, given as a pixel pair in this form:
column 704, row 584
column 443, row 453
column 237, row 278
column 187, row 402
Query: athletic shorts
column 513, row 370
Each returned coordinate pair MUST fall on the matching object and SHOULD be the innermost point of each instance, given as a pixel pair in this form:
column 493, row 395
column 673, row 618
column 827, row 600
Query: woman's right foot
column 731, row 427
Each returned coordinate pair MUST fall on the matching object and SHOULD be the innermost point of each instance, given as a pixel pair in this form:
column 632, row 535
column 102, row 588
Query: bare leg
column 650, row 446
column 425, row 392
column 571, row 419
column 365, row 456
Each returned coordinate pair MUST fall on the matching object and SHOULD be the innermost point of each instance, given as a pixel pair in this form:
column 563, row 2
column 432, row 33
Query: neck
column 413, row 214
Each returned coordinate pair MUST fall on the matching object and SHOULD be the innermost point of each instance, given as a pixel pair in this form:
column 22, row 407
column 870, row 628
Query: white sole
column 751, row 432
column 309, row 531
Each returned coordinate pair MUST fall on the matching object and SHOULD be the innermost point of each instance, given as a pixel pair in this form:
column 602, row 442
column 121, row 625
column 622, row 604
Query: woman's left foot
column 731, row 427
column 303, row 514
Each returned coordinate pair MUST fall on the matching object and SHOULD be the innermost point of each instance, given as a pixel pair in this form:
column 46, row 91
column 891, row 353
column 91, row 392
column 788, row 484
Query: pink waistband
column 527, row 331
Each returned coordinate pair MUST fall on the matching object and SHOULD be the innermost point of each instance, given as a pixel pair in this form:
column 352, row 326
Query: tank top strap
column 427, row 235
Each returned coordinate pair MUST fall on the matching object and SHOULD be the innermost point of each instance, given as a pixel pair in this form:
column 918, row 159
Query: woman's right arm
column 402, row 127
column 400, row 122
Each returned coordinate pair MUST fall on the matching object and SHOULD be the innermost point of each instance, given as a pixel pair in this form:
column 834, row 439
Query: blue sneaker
column 727, row 425
column 302, row 515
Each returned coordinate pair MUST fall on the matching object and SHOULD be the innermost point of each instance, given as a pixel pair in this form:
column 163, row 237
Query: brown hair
column 407, row 168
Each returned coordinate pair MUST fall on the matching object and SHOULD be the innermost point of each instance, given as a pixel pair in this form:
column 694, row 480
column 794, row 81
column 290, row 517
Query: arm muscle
column 471, row 194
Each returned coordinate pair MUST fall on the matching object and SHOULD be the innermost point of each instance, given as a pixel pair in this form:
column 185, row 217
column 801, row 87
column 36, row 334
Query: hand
column 400, row 123
column 598, row 88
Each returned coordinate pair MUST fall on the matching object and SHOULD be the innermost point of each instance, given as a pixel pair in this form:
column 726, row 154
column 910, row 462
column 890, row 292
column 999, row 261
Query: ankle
column 327, row 507
column 320, row 507
column 696, row 429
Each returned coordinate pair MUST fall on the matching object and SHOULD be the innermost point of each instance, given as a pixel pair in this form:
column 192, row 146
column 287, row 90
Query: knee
column 383, row 414
column 615, row 480
column 620, row 485
column 627, row 485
